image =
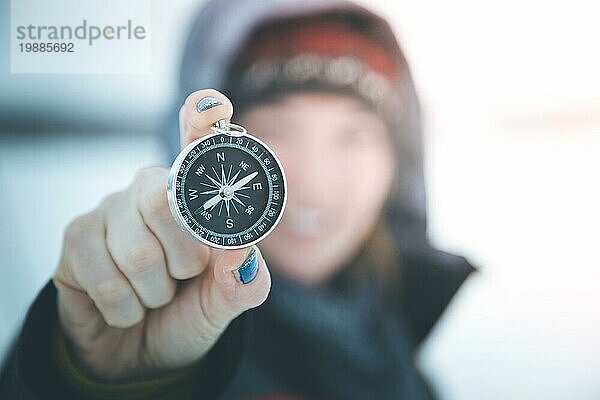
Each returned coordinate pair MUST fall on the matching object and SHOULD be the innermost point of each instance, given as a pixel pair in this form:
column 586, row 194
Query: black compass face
column 227, row 191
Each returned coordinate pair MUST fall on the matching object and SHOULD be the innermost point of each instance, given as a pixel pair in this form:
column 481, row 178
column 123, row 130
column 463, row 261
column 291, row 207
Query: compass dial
column 228, row 191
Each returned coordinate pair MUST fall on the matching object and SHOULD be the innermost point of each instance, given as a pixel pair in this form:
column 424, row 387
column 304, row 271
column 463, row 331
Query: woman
column 348, row 285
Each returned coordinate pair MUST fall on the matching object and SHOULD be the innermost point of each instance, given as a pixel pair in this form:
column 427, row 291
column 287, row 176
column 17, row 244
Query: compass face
column 228, row 191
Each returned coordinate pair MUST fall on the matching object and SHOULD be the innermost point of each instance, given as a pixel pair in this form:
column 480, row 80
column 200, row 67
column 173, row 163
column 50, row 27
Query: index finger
column 200, row 110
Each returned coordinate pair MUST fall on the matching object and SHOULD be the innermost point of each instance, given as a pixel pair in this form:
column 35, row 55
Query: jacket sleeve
column 38, row 366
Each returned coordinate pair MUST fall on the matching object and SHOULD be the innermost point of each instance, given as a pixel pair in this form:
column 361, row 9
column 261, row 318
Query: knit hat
column 312, row 54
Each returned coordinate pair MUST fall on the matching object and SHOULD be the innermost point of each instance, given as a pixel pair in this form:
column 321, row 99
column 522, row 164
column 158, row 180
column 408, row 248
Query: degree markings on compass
column 261, row 154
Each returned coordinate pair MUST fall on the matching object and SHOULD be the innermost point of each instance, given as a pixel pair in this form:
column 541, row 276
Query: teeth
column 304, row 220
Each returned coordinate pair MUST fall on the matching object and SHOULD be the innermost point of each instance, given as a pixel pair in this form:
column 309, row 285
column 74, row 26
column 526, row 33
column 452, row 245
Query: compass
column 227, row 189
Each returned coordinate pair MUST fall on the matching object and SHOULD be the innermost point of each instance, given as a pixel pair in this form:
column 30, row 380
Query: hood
column 219, row 31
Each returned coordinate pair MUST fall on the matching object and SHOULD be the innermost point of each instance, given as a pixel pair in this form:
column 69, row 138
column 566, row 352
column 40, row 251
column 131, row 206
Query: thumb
column 236, row 281
column 240, row 281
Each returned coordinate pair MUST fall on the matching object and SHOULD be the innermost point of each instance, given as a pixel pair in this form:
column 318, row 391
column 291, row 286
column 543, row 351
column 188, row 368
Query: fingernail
column 206, row 103
column 249, row 268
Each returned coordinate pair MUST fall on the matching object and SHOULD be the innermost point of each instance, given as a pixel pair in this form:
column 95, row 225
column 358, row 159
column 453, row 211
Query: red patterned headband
column 324, row 54
column 321, row 39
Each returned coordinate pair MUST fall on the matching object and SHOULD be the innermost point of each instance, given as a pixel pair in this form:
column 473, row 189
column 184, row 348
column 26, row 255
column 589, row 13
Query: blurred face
column 338, row 159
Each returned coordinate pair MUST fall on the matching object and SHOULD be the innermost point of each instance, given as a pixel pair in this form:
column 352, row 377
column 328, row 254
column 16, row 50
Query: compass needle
column 243, row 181
column 223, row 175
column 212, row 201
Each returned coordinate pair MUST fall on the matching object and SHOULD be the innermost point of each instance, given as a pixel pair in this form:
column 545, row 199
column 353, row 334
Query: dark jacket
column 327, row 354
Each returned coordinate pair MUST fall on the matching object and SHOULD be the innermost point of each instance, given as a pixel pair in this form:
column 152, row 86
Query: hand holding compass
column 136, row 295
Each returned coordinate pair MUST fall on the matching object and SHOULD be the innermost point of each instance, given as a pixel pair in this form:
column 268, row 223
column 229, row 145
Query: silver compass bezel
column 171, row 187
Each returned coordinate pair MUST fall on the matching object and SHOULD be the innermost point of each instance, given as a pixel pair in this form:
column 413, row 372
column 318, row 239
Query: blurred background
column 511, row 99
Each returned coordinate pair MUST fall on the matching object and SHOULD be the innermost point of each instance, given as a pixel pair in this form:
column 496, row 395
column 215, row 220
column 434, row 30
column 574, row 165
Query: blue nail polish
column 207, row 103
column 248, row 270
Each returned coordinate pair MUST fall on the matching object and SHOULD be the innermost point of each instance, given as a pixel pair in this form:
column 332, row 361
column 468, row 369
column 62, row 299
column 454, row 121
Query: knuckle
column 153, row 199
column 144, row 172
column 201, row 255
column 183, row 273
column 196, row 259
column 142, row 258
column 112, row 199
column 161, row 299
column 83, row 262
column 79, row 226
column 111, row 293
column 124, row 321
column 198, row 254
column 148, row 173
